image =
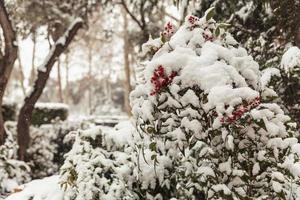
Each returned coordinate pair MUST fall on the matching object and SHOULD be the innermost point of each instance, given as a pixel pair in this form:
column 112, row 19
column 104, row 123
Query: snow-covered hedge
column 99, row 165
column 46, row 113
column 46, row 150
column 213, row 134
column 12, row 171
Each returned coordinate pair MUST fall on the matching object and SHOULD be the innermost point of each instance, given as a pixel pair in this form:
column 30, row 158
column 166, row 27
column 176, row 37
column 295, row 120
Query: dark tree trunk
column 24, row 119
column 7, row 59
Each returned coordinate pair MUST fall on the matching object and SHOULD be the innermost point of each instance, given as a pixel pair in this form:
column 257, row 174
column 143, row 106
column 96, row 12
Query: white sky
column 77, row 63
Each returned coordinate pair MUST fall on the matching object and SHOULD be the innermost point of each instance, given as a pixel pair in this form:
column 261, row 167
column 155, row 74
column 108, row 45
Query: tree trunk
column 90, row 59
column 60, row 93
column 32, row 73
column 67, row 92
column 25, row 115
column 297, row 40
column 7, row 59
column 126, row 48
column 131, row 63
column 2, row 130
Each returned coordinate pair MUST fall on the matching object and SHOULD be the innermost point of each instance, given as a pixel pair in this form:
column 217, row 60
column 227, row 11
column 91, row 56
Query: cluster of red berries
column 207, row 37
column 160, row 79
column 169, row 29
column 240, row 110
column 192, row 20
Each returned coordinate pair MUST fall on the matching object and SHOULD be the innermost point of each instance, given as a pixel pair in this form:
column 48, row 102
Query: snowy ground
column 43, row 189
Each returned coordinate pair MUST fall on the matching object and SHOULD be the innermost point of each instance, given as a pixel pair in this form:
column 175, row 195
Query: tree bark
column 90, row 59
column 60, row 93
column 7, row 59
column 126, row 47
column 25, row 115
column 67, row 90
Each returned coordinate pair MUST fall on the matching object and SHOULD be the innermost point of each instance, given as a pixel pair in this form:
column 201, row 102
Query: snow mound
column 41, row 189
column 52, row 106
column 290, row 59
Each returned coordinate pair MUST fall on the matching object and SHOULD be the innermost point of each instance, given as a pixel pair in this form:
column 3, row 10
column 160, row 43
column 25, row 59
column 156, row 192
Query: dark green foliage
column 288, row 88
column 46, row 115
column 267, row 27
column 9, row 111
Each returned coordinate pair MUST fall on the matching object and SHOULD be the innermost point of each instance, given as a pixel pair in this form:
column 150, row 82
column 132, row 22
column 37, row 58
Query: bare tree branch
column 142, row 14
column 131, row 14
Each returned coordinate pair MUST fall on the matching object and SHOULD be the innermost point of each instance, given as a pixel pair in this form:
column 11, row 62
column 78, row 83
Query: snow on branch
column 61, row 44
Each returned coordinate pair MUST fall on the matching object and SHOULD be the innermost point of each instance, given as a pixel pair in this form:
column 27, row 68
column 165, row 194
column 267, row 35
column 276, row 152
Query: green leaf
column 163, row 38
column 217, row 32
column 210, row 13
column 224, row 25
column 150, row 130
column 143, row 153
column 152, row 146
column 153, row 157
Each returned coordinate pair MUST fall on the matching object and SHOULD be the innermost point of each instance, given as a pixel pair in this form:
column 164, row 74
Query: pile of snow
column 42, row 189
column 290, row 59
column 52, row 106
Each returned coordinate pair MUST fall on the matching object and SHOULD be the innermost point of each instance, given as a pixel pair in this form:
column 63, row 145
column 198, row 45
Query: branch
column 131, row 15
column 171, row 16
column 142, row 14
column 11, row 49
column 60, row 45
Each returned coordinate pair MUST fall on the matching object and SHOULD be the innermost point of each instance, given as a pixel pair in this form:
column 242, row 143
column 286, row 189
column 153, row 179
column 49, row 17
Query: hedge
column 46, row 113
column 9, row 111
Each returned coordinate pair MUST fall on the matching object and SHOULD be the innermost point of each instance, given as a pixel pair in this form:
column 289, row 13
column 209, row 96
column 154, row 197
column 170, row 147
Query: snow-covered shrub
column 40, row 154
column 209, row 131
column 46, row 113
column 12, row 171
column 64, row 144
column 288, row 87
column 98, row 165
column 48, row 146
